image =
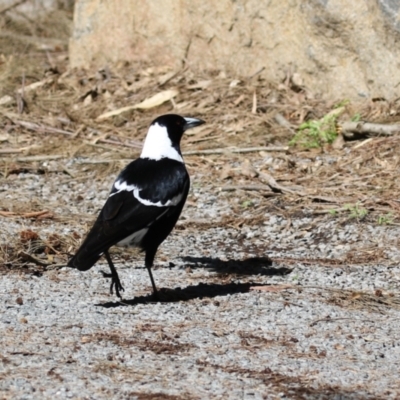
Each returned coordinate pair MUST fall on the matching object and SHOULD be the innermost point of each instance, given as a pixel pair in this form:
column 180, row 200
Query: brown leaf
column 28, row 235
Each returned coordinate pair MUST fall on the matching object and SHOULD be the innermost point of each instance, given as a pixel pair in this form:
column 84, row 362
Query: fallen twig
column 362, row 143
column 228, row 150
column 39, row 158
column 282, row 121
column 274, row 185
column 273, row 288
column 105, row 161
column 256, row 73
column 327, row 319
column 309, row 261
column 33, row 214
column 10, row 151
column 232, row 188
column 39, row 261
column 204, row 139
column 254, row 107
column 358, row 130
column 110, row 141
column 42, row 128
column 29, row 257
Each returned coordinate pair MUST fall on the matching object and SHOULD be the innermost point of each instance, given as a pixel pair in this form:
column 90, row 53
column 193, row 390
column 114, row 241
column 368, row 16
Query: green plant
column 333, row 212
column 356, row 117
column 316, row 133
column 342, row 103
column 247, row 204
column 356, row 211
column 385, row 219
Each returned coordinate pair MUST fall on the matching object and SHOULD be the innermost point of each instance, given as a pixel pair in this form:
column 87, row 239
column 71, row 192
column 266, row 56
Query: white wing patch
column 134, row 239
column 173, row 202
column 158, row 145
column 123, row 186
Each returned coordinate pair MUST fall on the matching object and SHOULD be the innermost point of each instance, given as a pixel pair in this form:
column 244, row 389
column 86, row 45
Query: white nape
column 158, row 144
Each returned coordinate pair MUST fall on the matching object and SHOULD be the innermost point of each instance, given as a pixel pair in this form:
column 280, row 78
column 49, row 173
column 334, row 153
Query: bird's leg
column 149, row 263
column 114, row 276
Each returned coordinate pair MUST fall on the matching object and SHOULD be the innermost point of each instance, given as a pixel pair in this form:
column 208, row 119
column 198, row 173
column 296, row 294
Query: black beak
column 192, row 122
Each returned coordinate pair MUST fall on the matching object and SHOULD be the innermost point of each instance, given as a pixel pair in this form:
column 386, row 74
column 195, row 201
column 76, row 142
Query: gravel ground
column 285, row 308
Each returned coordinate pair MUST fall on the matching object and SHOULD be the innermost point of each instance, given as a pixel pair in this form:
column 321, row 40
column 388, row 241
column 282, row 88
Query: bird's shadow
column 247, row 266
column 251, row 266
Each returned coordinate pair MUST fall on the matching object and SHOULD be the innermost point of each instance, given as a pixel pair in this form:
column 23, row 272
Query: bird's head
column 164, row 136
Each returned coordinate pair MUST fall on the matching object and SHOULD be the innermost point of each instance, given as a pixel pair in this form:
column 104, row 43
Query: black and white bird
column 145, row 201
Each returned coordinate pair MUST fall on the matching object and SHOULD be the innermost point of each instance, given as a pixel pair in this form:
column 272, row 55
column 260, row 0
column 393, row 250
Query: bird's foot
column 114, row 282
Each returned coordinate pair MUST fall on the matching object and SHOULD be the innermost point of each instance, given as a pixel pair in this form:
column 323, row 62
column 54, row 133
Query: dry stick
column 351, row 129
column 105, row 161
column 204, row 139
column 315, row 322
column 110, row 141
column 332, row 210
column 282, row 121
column 43, row 263
column 42, row 128
column 103, row 139
column 165, row 80
column 20, row 96
column 39, row 158
column 326, row 262
column 24, row 215
column 10, row 151
column 228, row 150
column 103, row 146
column 29, row 257
column 256, row 73
column 254, row 108
column 363, row 143
column 273, row 184
column 273, row 288
column 232, row 188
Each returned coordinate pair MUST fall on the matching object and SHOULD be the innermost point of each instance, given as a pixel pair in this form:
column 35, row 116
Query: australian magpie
column 145, row 200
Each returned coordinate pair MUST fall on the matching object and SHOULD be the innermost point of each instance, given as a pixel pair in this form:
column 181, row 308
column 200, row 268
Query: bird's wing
column 132, row 205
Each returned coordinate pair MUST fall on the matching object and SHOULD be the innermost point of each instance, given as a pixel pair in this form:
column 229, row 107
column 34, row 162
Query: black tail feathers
column 83, row 262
